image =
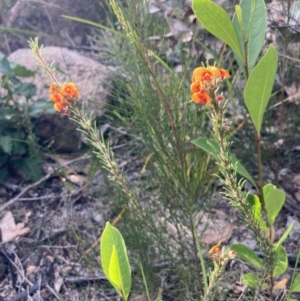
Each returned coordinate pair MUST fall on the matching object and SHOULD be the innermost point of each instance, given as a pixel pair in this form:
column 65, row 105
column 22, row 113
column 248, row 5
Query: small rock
column 92, row 80
column 98, row 218
column 295, row 233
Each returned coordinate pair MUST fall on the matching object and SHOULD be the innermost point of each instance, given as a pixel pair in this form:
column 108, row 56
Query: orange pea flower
column 57, row 97
column 61, row 96
column 196, row 87
column 201, row 97
column 70, row 91
column 215, row 251
column 59, row 106
column 224, row 73
column 205, row 81
column 205, row 75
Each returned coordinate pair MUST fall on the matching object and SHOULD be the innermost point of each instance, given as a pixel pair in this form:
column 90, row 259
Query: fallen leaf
column 212, row 236
column 31, row 269
column 9, row 229
column 280, row 285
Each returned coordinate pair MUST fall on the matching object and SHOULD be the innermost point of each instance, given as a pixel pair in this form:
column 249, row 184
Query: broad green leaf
column 254, row 20
column 213, row 149
column 26, row 89
column 295, row 287
column 252, row 280
column 30, row 167
column 285, row 235
column 254, row 201
column 216, row 20
column 5, row 67
column 6, row 144
column 259, row 87
column 158, row 299
column 281, row 262
column 114, row 270
column 274, row 199
column 21, row 71
column 114, row 260
column 40, row 106
column 247, row 254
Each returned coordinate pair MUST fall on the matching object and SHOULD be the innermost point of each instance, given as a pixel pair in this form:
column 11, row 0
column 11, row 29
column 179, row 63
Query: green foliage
column 274, row 199
column 284, row 235
column 281, row 261
column 248, row 255
column 295, row 287
column 215, row 20
column 254, row 202
column 18, row 146
column 156, row 108
column 114, row 260
column 249, row 27
column 259, row 87
column 212, row 148
column 250, row 22
column 252, row 280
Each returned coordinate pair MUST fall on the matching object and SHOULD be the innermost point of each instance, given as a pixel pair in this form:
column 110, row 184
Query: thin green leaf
column 259, row 87
column 247, row 254
column 295, row 287
column 114, row 260
column 216, row 20
column 88, row 22
column 285, row 235
column 254, row 21
column 281, row 263
column 213, row 149
column 274, row 199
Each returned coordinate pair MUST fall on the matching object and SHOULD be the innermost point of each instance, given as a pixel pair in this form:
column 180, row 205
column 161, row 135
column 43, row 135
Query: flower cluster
column 62, row 96
column 221, row 257
column 205, row 82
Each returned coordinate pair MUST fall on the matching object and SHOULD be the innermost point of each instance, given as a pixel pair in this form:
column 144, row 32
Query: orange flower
column 61, row 96
column 215, row 252
column 56, row 97
column 215, row 249
column 59, row 106
column 201, row 97
column 54, row 88
column 205, row 75
column 70, row 91
column 196, row 87
column 205, row 81
column 224, row 73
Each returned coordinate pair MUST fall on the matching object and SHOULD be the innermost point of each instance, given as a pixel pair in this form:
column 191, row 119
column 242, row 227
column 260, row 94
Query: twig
column 30, row 290
column 45, row 178
column 16, row 198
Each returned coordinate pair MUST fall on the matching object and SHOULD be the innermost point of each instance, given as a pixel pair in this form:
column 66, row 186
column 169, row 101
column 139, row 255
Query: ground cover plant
column 19, row 151
column 160, row 219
